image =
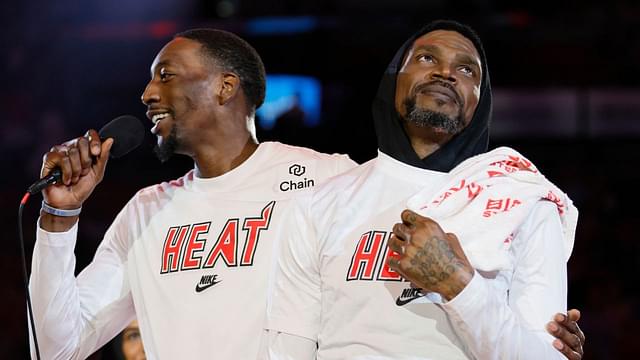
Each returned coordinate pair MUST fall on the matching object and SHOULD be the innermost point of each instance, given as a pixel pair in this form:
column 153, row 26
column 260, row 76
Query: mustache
column 421, row 87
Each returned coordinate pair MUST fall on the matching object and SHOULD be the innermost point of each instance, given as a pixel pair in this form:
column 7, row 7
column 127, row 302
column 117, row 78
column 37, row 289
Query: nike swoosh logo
column 205, row 287
column 402, row 300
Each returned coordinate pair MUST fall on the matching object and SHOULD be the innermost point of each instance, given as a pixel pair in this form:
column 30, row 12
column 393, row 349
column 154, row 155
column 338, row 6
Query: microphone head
column 127, row 133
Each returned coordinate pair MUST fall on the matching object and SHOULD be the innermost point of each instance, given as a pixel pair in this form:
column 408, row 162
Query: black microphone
column 127, row 133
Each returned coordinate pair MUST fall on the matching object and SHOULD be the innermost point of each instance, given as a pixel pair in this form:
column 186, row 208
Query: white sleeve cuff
column 469, row 300
column 59, row 239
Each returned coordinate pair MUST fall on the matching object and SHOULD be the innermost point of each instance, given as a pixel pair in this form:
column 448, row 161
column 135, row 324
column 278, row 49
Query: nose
column 444, row 72
column 150, row 94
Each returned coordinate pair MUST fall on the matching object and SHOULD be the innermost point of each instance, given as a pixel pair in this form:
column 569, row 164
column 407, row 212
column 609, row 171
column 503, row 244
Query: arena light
column 287, row 93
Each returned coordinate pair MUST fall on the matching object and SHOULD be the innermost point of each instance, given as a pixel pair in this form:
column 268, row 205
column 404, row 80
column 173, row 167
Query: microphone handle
column 53, row 177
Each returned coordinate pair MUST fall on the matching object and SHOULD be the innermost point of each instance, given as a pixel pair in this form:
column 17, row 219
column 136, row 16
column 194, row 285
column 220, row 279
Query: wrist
column 62, row 206
column 53, row 223
column 53, row 219
column 60, row 211
column 460, row 282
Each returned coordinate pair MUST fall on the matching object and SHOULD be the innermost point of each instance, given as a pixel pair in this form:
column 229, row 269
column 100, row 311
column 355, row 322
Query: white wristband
column 59, row 212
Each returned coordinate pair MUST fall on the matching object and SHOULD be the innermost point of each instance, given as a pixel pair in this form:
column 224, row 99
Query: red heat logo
column 370, row 258
column 183, row 245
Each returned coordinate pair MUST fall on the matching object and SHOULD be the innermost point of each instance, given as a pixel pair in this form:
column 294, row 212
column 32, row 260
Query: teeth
column 157, row 117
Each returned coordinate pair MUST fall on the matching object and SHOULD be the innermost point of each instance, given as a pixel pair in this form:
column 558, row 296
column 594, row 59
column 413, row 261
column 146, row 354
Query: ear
column 229, row 87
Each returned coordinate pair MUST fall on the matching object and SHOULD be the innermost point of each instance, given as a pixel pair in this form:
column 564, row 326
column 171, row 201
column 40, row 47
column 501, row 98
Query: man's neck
column 223, row 157
column 424, row 140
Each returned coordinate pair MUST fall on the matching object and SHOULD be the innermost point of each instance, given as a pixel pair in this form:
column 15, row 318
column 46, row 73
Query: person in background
column 128, row 345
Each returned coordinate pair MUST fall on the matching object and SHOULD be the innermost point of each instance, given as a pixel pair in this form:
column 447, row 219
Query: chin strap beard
column 168, row 147
column 434, row 119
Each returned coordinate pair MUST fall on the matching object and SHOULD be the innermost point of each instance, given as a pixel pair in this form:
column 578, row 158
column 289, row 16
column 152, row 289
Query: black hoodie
column 393, row 139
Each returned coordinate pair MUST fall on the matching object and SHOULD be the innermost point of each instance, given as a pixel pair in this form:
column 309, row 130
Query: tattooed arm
column 496, row 319
column 429, row 258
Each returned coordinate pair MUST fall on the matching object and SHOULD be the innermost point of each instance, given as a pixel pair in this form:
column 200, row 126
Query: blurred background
column 566, row 79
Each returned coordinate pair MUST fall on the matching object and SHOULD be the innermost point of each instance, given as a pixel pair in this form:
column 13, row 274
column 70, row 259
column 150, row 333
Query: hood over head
column 393, row 139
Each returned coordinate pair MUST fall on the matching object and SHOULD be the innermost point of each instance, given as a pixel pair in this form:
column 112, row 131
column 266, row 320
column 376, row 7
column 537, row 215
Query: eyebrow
column 468, row 59
column 462, row 58
column 159, row 65
column 427, row 47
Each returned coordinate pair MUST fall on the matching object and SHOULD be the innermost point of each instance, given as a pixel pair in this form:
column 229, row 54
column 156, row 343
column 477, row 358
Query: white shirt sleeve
column 510, row 323
column 296, row 290
column 76, row 316
column 283, row 346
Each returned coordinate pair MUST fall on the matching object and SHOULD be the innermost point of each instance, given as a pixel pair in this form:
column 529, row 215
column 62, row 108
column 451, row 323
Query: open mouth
column 157, row 117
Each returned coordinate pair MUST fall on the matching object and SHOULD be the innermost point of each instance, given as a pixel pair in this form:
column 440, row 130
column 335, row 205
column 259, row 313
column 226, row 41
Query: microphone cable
column 23, row 202
column 128, row 133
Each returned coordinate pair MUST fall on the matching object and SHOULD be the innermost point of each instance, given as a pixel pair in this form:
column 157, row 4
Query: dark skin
column 430, row 258
column 569, row 338
column 205, row 105
column 213, row 127
column 443, row 56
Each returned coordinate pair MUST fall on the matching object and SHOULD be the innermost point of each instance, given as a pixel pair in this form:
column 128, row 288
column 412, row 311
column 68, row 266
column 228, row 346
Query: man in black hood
column 485, row 292
column 398, row 117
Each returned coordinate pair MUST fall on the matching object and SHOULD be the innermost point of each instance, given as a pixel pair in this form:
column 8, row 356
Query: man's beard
column 167, row 148
column 428, row 118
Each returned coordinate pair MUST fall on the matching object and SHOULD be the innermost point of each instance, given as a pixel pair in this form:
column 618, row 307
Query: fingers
column 86, row 160
column 101, row 162
column 399, row 265
column 562, row 334
column 396, row 244
column 73, row 154
column 394, row 264
column 409, row 217
column 412, row 220
column 574, row 314
column 566, row 350
column 402, row 231
column 74, row 158
column 94, row 142
column 57, row 157
column 570, row 323
column 566, row 341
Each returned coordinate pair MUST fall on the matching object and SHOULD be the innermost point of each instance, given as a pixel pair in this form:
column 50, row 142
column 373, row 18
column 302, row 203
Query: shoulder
column 162, row 190
column 343, row 184
column 325, row 165
column 542, row 214
column 304, row 153
column 541, row 229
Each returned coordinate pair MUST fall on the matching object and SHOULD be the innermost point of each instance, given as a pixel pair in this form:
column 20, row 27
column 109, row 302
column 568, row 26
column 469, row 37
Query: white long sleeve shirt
column 332, row 284
column 188, row 258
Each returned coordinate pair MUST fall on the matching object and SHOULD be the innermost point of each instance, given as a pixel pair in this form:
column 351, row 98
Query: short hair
column 233, row 54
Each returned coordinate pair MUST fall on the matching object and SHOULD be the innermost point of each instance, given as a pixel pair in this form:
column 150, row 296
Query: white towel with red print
column 485, row 200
